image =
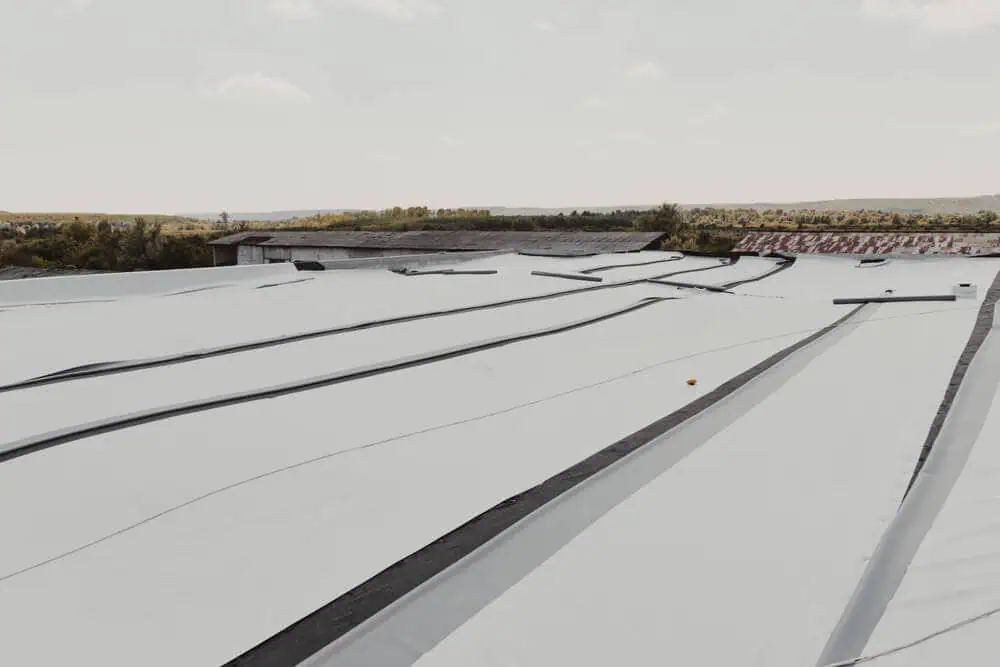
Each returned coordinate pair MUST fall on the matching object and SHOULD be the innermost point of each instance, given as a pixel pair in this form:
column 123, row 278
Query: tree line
column 103, row 247
column 143, row 244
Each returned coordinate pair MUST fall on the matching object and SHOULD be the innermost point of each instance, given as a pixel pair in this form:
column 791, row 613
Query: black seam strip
column 612, row 267
column 290, row 282
column 568, row 276
column 446, row 272
column 44, row 441
column 674, row 283
column 786, row 264
column 982, row 327
column 326, row 625
column 115, row 367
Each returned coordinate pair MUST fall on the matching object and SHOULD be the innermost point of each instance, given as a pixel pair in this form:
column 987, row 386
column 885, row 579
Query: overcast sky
column 204, row 105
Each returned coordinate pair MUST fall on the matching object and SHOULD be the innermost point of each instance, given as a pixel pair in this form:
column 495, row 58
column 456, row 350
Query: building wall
column 265, row 254
column 224, row 255
column 248, row 254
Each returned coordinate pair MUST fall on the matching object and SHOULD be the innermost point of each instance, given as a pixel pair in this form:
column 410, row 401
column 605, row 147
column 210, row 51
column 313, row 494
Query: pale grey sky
column 200, row 105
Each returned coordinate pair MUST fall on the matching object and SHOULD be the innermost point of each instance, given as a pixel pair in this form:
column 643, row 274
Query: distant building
column 872, row 243
column 269, row 247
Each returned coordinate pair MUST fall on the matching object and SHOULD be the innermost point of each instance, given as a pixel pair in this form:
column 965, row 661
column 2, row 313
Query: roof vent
column 965, row 291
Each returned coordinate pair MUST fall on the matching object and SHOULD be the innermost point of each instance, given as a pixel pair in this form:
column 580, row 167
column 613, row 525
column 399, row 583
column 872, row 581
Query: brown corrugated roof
column 874, row 243
column 568, row 242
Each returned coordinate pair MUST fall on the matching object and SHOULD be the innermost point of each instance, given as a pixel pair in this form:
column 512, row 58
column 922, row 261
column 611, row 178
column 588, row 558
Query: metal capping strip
column 44, row 441
column 894, row 299
column 115, row 367
column 326, row 625
column 925, row 495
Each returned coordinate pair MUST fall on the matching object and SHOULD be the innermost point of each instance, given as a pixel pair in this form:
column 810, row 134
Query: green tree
column 667, row 218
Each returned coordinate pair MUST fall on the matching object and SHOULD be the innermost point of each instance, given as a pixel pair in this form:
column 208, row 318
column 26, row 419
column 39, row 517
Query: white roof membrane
column 755, row 535
column 192, row 539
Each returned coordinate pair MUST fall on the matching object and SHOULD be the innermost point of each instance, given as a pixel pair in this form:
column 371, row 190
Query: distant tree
column 667, row 218
column 224, row 218
column 987, row 217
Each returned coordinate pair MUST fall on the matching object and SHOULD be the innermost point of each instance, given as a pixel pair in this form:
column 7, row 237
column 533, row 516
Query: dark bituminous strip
column 984, row 322
column 290, row 282
column 726, row 289
column 61, row 436
column 568, row 276
column 786, row 263
column 612, row 267
column 445, row 272
column 86, row 368
column 326, row 625
column 13, row 306
column 925, row 495
column 682, row 285
column 196, row 290
column 893, row 299
column 556, row 255
column 112, row 368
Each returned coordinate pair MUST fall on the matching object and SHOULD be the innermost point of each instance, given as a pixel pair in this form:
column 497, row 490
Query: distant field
column 66, row 218
column 940, row 206
column 171, row 224
column 848, row 214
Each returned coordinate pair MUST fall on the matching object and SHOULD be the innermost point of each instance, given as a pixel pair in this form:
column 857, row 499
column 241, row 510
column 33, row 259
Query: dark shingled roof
column 560, row 242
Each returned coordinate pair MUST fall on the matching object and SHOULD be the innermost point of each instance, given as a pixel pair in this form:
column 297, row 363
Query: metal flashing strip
column 894, row 299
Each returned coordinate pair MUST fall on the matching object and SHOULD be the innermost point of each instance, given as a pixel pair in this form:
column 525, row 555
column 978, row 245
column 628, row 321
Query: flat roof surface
column 255, row 465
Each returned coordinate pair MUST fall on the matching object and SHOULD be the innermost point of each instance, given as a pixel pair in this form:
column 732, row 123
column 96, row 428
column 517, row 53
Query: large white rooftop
column 260, row 466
